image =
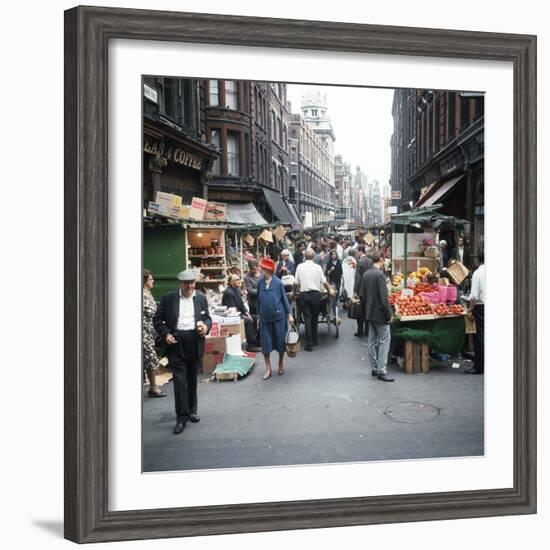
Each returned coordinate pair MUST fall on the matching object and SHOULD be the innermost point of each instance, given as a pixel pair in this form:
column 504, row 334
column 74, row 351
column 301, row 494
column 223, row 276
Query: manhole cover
column 412, row 412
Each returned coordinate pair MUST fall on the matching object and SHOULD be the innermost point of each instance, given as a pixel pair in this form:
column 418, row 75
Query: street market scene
column 313, row 291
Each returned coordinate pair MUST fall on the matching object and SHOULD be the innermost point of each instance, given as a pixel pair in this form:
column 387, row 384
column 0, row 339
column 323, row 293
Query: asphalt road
column 326, row 408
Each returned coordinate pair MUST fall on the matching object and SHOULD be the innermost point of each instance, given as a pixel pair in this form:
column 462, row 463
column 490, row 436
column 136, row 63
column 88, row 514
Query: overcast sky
column 362, row 122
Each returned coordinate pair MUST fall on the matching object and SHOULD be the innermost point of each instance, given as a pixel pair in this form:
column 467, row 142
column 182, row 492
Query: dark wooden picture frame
column 87, row 34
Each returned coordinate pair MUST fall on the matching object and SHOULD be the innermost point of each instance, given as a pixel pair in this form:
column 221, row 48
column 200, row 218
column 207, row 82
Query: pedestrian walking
column 308, row 281
column 299, row 254
column 364, row 263
column 340, row 248
column 150, row 357
column 348, row 277
column 476, row 310
column 251, row 280
column 333, row 273
column 274, row 312
column 232, row 297
column 378, row 316
column 182, row 320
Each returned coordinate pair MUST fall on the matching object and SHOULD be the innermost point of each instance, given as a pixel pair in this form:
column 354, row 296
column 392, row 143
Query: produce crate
column 447, row 315
column 417, row 357
column 405, row 318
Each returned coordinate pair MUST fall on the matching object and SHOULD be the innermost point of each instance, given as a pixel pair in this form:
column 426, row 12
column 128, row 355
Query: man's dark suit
column 455, row 254
column 290, row 269
column 185, row 356
column 232, row 297
column 363, row 265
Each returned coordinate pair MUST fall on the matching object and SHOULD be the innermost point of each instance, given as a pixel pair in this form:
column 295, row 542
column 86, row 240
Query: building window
column 464, row 113
column 478, row 107
column 231, row 95
column 233, row 154
column 213, row 92
column 171, row 98
column 451, row 124
column 260, row 156
column 216, row 141
column 438, row 125
column 313, row 112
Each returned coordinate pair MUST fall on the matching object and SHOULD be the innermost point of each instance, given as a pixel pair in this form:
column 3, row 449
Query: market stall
column 415, row 240
column 205, row 247
column 426, row 320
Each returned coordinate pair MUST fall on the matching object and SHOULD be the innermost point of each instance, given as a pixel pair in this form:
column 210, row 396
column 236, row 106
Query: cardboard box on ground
column 214, row 349
column 221, row 342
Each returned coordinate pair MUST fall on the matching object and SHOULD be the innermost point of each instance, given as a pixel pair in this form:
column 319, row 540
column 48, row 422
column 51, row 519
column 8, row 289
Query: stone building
column 343, row 188
column 313, row 174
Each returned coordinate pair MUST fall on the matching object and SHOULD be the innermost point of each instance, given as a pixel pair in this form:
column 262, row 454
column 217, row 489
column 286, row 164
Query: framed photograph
column 250, row 197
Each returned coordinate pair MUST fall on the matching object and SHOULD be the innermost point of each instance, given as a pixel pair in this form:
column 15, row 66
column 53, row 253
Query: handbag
column 355, row 309
column 287, row 280
column 292, row 341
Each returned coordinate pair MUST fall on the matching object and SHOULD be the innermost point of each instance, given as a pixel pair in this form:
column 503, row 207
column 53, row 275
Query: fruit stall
column 426, row 319
column 415, row 240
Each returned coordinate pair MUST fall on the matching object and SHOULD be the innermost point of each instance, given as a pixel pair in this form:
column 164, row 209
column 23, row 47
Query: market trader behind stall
column 232, row 297
column 308, row 281
column 182, row 320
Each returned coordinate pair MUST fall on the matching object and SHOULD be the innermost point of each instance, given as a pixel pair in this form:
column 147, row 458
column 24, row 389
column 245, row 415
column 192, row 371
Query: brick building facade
column 438, row 153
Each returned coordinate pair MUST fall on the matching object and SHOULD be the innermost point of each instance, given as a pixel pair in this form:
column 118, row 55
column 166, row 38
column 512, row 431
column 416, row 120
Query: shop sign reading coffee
column 172, row 154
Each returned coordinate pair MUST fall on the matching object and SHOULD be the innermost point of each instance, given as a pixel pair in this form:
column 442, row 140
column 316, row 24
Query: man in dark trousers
column 364, row 263
column 308, row 281
column 378, row 316
column 232, row 297
column 476, row 311
column 183, row 320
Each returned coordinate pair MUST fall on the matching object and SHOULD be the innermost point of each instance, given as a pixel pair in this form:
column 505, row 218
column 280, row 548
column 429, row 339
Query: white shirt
column 461, row 254
column 339, row 252
column 186, row 319
column 478, row 285
column 309, row 276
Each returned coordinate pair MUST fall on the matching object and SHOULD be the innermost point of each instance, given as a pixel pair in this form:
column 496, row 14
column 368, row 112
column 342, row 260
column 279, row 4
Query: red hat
column 268, row 263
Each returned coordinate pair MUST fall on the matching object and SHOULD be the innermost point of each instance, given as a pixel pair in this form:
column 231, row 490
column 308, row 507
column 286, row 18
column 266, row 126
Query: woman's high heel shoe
column 152, row 393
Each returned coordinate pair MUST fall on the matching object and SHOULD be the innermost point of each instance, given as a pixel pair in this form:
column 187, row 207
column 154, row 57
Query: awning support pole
column 242, row 252
column 405, row 255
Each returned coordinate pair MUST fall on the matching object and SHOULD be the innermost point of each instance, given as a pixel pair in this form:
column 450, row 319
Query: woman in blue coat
column 274, row 311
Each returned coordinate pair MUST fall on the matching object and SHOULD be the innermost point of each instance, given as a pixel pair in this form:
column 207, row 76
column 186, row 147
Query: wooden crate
column 417, row 357
column 224, row 376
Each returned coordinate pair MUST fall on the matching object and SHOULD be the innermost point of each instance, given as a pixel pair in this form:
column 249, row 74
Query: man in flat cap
column 183, row 320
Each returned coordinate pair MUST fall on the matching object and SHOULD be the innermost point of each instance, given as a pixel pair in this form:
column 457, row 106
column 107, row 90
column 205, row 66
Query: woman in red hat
column 274, row 312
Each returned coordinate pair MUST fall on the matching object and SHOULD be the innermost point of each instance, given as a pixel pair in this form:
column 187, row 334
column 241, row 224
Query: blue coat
column 272, row 303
